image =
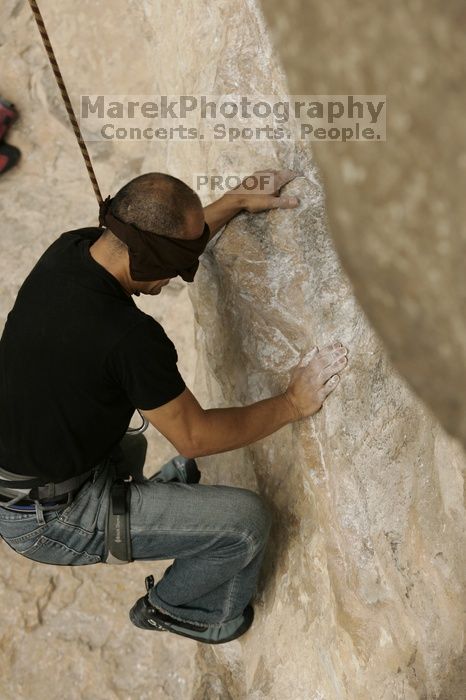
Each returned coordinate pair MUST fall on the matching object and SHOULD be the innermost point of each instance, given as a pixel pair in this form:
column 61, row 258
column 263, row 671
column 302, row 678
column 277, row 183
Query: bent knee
column 254, row 514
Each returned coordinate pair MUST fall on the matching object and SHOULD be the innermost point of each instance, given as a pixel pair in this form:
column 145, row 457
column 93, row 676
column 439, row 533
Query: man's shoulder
column 90, row 233
column 67, row 241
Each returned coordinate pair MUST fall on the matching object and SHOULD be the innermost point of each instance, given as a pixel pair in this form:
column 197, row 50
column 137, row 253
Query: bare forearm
column 221, row 211
column 225, row 429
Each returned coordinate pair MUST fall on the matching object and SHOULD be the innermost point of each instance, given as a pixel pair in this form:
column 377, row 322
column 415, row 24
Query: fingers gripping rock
column 315, row 377
column 330, row 385
column 308, row 356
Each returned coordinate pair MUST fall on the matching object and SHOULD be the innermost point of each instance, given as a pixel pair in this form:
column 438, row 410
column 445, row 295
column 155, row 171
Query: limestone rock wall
column 364, row 580
column 398, row 209
column 363, row 584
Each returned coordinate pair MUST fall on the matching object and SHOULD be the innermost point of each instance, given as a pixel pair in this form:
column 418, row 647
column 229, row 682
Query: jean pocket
column 47, row 551
column 81, row 496
column 86, row 514
column 17, row 532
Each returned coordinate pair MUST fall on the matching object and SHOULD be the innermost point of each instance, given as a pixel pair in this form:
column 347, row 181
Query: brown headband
column 153, row 256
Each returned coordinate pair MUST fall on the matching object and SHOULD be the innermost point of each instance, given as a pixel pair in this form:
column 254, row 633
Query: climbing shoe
column 146, row 617
column 9, row 156
column 179, row 468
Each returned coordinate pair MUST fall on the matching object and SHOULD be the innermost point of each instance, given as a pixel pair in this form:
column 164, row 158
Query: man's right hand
column 196, row 432
column 314, row 378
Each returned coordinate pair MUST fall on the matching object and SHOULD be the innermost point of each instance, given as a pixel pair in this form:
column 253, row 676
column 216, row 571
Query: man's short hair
column 156, row 202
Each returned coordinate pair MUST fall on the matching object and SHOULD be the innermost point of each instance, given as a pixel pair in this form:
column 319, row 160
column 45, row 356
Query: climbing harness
column 117, row 527
column 21, row 493
column 140, row 429
column 19, row 487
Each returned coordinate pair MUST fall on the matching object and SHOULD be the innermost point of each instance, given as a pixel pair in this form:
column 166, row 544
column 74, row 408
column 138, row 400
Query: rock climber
column 78, row 357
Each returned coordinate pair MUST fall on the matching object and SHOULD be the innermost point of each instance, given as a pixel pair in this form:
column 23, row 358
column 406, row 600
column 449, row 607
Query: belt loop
column 39, row 513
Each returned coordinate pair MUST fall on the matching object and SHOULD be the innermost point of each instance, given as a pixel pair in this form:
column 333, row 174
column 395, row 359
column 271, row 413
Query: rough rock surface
column 397, row 209
column 362, row 589
column 364, row 580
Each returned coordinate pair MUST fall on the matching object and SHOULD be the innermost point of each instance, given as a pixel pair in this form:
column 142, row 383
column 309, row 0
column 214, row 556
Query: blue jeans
column 216, row 535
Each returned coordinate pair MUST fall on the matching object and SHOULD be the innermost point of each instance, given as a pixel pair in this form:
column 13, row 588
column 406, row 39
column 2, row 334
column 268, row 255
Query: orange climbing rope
column 65, row 96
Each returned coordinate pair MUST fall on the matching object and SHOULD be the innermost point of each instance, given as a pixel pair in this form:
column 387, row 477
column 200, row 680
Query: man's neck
column 99, row 252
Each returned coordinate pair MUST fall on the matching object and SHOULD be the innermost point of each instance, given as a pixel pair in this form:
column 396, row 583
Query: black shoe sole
column 142, row 610
column 185, row 469
column 12, row 156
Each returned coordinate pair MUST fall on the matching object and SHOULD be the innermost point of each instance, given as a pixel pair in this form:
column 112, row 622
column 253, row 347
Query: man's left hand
column 260, row 191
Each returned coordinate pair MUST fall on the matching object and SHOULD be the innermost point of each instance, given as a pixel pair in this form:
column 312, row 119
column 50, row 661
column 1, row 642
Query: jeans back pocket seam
column 44, row 540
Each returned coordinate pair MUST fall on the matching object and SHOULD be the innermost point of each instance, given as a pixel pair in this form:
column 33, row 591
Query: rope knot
column 104, row 206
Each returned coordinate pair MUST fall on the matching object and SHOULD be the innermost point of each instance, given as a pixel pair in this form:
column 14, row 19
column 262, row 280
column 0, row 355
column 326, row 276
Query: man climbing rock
column 78, row 357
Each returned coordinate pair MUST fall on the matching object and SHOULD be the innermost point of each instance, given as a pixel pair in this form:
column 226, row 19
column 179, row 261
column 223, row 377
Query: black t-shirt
column 77, row 357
